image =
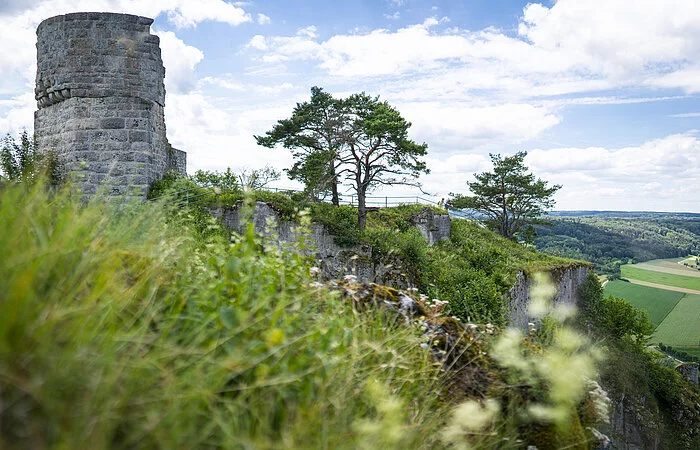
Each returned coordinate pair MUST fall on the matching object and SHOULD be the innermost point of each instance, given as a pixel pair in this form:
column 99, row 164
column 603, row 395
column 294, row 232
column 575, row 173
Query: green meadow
column 682, row 325
column 667, row 279
column 675, row 314
column 657, row 302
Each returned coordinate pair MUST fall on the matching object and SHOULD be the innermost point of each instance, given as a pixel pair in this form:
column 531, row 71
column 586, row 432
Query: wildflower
column 314, row 271
column 468, row 418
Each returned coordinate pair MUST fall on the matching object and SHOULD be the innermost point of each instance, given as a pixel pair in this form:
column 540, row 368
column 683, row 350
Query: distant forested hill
column 609, row 239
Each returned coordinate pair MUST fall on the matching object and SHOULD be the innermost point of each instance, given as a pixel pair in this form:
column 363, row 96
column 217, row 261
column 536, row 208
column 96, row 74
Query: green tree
column 378, row 150
column 313, row 134
column 225, row 181
column 511, row 197
column 18, row 160
column 620, row 319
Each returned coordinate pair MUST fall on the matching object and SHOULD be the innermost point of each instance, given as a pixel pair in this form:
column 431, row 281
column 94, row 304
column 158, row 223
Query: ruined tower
column 100, row 98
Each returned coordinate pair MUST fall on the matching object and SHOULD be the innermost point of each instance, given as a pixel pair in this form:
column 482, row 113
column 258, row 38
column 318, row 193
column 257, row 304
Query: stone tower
column 100, row 98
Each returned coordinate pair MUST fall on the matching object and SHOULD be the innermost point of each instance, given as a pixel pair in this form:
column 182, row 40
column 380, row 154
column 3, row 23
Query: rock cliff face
column 567, row 281
column 632, row 425
column 335, row 261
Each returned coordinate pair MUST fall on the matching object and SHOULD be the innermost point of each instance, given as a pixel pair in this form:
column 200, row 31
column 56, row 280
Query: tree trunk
column 361, row 210
column 334, row 186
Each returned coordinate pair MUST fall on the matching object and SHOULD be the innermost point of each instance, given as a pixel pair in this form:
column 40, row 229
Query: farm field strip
column 665, row 279
column 657, row 302
column 672, row 268
column 664, row 287
column 681, row 327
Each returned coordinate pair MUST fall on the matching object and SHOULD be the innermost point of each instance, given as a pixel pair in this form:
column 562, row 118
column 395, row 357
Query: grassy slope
column 472, row 270
column 682, row 325
column 130, row 329
column 660, row 277
column 657, row 302
column 118, row 330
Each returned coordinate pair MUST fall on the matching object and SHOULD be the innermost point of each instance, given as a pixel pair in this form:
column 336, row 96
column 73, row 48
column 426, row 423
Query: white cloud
column 458, row 126
column 310, row 31
column 660, row 174
column 19, row 115
column 263, row 19
column 686, row 115
column 232, row 84
column 188, row 13
column 215, row 139
column 395, row 16
column 180, row 60
column 572, row 46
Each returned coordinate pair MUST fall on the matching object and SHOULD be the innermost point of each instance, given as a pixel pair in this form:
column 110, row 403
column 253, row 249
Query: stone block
column 112, row 123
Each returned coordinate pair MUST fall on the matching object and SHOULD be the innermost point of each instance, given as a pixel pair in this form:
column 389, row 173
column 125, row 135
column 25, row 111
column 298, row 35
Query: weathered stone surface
column 433, row 227
column 335, row 261
column 100, row 97
column 690, row 371
column 567, row 281
column 632, row 426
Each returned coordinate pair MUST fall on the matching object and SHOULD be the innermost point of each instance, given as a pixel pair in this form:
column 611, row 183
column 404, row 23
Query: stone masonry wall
column 100, row 98
column 335, row 261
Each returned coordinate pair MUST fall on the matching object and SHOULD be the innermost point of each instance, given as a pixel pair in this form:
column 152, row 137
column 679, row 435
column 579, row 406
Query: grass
column 682, row 325
column 660, row 262
column 126, row 328
column 660, row 278
column 657, row 302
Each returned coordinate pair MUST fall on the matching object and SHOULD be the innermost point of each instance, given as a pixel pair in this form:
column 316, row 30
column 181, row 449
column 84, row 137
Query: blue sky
column 603, row 94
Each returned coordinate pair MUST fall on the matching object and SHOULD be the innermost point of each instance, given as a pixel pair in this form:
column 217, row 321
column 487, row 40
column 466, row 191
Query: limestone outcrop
column 567, row 281
column 335, row 261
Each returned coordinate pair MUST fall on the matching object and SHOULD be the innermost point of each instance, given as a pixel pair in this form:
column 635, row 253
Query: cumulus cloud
column 217, row 138
column 263, row 19
column 572, row 46
column 180, row 60
column 189, row 13
column 460, row 126
column 19, row 113
column 659, row 174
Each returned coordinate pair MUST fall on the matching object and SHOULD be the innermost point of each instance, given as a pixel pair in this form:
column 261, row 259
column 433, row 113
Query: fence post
column 386, row 202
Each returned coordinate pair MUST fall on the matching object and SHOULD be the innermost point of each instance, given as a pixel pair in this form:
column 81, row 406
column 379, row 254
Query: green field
column 667, row 279
column 682, row 325
column 657, row 302
column 662, row 262
column 692, row 351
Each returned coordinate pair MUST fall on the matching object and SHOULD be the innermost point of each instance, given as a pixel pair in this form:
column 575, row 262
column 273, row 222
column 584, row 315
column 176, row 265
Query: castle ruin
column 100, row 98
